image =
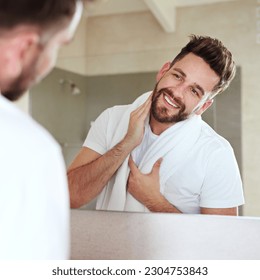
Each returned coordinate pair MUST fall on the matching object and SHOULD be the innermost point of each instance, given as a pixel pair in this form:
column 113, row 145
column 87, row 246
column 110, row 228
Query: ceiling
column 163, row 10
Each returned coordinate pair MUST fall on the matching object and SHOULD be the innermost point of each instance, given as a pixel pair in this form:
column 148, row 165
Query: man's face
column 181, row 88
column 43, row 60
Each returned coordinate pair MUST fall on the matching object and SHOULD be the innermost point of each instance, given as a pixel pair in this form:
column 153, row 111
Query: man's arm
column 220, row 211
column 146, row 189
column 90, row 171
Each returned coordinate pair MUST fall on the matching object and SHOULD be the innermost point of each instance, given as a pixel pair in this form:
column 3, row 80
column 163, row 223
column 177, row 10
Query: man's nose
column 179, row 90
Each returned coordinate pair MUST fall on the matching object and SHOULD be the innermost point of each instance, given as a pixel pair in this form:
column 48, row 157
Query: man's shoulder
column 112, row 115
column 210, row 138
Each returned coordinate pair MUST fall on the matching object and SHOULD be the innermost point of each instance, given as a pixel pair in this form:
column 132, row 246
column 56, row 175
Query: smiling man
column 157, row 154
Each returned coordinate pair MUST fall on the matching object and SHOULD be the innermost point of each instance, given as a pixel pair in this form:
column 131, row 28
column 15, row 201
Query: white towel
column 173, row 145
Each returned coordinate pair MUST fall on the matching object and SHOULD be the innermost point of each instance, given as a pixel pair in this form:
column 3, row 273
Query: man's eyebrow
column 196, row 85
column 180, row 71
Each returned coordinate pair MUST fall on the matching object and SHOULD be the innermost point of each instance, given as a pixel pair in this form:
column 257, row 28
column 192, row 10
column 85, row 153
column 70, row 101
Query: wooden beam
column 165, row 12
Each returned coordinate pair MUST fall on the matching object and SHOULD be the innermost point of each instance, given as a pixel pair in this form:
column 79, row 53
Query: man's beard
column 163, row 114
column 15, row 91
column 21, row 84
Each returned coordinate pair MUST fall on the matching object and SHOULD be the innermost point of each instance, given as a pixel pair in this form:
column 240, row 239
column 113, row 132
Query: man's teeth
column 170, row 102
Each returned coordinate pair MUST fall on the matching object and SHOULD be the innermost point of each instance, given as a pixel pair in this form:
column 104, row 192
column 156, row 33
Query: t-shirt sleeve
column 96, row 139
column 222, row 187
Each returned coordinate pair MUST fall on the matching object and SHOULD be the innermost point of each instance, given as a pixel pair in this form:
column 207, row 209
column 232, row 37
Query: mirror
column 117, row 54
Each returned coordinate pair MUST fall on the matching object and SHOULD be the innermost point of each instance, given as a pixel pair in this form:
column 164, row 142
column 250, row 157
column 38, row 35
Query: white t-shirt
column 34, row 201
column 210, row 178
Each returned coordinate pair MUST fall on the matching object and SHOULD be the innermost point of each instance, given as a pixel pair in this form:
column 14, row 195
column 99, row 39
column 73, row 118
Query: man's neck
column 158, row 127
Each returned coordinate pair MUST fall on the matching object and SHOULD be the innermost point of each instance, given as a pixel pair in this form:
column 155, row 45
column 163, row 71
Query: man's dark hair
column 216, row 55
column 41, row 13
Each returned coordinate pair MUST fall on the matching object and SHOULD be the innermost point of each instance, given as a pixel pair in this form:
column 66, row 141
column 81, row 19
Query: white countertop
column 120, row 235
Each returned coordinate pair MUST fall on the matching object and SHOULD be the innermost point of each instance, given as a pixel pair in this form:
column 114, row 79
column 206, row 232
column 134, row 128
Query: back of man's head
column 35, row 12
column 31, row 33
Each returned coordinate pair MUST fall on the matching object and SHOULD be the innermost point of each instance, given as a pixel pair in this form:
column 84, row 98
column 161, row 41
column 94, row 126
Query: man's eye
column 178, row 77
column 195, row 92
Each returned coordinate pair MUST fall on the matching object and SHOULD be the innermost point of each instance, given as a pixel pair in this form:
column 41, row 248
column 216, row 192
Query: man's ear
column 204, row 107
column 19, row 49
column 163, row 70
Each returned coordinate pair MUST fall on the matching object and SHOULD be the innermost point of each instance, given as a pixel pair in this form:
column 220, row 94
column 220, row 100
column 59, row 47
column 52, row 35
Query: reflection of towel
column 173, row 145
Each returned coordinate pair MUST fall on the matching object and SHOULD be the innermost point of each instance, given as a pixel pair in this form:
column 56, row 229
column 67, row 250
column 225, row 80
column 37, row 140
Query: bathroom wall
column 63, row 114
column 23, row 103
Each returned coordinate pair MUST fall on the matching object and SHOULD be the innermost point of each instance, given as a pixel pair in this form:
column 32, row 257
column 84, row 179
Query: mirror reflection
column 104, row 69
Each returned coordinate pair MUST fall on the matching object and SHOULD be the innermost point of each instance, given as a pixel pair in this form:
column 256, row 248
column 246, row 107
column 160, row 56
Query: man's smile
column 170, row 101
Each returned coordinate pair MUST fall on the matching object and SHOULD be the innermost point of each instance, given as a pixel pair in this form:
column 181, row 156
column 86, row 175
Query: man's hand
column 146, row 188
column 135, row 130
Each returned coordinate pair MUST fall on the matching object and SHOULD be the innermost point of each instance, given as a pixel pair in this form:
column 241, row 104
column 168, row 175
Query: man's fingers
column 147, row 108
column 134, row 168
column 145, row 111
column 132, row 165
column 156, row 166
column 144, row 108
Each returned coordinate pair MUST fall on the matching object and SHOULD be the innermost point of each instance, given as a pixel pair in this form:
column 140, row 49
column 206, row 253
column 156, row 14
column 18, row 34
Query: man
column 178, row 163
column 34, row 203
